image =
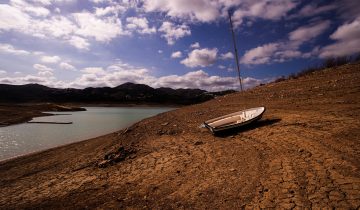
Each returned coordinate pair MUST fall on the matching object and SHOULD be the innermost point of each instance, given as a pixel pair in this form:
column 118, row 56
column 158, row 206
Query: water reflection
column 25, row 138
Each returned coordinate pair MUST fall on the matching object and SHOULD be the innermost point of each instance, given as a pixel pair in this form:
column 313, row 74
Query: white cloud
column 94, row 70
column 285, row 50
column 50, row 59
column 269, row 10
column 306, row 33
column 195, row 10
column 347, row 38
column 102, row 30
column 23, row 80
column 33, row 10
column 12, row 18
column 312, row 10
column 173, row 32
column 201, row 57
column 79, row 42
column 119, row 73
column 43, row 70
column 160, row 51
column 259, row 55
column 202, row 80
column 7, row 48
column 76, row 29
column 221, row 67
column 176, row 54
column 225, row 56
column 110, row 10
column 2, row 72
column 67, row 66
column 195, row 45
column 141, row 25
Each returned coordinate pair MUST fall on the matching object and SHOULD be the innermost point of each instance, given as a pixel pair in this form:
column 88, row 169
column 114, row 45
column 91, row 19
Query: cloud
column 11, row 18
column 306, row 33
column 2, row 72
column 67, row 66
column 225, row 56
column 201, row 57
column 43, row 70
column 194, row 10
column 110, row 10
column 160, row 51
column 195, row 45
column 285, row 50
column 102, row 30
column 9, row 49
column 77, row 29
column 176, row 54
column 347, row 37
column 141, row 25
column 119, row 73
column 79, row 42
column 268, row 10
column 312, row 10
column 259, row 55
column 23, row 80
column 173, row 32
column 37, row 11
column 50, row 59
column 202, row 80
column 94, row 70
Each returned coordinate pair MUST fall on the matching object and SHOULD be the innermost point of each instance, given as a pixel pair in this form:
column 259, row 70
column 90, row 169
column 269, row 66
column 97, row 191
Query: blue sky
column 162, row 43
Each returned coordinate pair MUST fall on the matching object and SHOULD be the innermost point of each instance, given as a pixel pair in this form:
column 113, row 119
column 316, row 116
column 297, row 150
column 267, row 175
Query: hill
column 303, row 154
column 127, row 93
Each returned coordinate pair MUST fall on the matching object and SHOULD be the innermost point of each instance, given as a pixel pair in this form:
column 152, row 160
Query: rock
column 165, row 124
column 103, row 163
column 301, row 150
column 198, row 143
column 160, row 132
column 126, row 130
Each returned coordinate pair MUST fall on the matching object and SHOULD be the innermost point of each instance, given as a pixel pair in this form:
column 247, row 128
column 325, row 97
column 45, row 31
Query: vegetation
column 327, row 63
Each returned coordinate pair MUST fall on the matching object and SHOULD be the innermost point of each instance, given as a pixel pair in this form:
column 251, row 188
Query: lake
column 25, row 138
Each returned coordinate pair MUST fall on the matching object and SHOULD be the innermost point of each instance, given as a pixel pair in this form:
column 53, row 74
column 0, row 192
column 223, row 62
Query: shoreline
column 28, row 111
column 303, row 153
column 4, row 161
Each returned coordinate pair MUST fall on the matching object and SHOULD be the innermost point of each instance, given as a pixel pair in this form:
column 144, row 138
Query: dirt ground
column 304, row 153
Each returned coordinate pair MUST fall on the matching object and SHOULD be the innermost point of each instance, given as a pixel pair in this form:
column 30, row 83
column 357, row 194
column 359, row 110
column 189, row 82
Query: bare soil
column 304, row 153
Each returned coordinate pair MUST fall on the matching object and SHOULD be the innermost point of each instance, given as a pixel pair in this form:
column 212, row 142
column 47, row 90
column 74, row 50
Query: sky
column 170, row 43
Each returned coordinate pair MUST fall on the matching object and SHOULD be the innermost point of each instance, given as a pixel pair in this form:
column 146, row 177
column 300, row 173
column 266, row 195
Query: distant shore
column 11, row 114
column 302, row 154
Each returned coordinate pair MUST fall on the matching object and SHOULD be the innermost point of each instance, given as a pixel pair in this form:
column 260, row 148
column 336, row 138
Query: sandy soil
column 305, row 152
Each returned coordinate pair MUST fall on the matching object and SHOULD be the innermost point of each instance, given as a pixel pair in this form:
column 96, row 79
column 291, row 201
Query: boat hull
column 219, row 128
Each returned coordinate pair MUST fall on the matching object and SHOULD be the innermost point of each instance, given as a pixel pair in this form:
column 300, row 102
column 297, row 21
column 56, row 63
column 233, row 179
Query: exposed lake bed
column 303, row 154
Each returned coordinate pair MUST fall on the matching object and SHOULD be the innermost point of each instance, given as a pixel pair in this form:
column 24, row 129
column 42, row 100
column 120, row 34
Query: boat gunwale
column 233, row 125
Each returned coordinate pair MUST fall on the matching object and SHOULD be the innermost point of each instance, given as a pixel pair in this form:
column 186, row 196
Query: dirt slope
column 305, row 152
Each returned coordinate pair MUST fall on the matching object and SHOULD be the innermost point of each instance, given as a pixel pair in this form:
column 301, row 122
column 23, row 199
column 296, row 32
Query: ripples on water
column 25, row 138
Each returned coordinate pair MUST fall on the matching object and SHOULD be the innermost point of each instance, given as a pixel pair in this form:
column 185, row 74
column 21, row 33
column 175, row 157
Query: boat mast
column 235, row 49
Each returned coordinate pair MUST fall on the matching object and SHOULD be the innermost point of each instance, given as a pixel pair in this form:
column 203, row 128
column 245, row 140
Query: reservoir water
column 24, row 138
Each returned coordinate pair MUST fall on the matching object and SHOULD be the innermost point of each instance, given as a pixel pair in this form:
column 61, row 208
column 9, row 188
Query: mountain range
column 127, row 93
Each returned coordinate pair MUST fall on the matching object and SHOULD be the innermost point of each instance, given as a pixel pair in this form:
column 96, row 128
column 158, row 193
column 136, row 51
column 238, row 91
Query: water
column 24, row 138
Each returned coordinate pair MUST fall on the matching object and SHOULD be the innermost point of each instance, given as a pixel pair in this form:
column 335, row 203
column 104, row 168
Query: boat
column 234, row 120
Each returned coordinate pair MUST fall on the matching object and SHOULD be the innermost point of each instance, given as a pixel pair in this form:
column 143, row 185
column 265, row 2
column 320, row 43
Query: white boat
column 234, row 120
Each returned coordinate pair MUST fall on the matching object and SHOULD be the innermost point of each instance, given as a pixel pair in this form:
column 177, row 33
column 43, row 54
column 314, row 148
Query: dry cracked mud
column 304, row 153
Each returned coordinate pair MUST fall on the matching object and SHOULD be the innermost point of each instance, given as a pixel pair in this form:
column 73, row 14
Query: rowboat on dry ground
column 234, row 120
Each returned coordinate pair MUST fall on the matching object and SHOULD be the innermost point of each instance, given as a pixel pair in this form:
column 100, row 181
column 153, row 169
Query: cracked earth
column 304, row 153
